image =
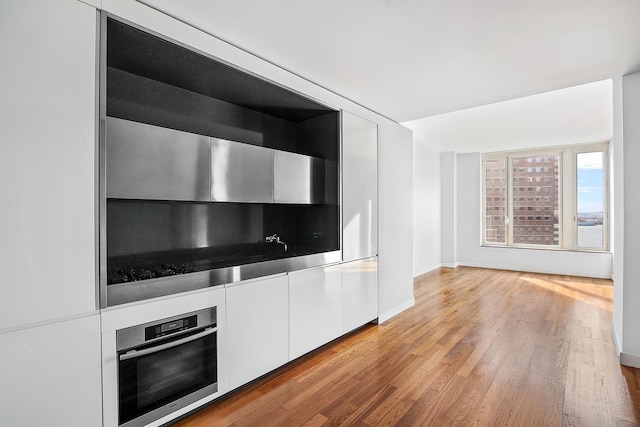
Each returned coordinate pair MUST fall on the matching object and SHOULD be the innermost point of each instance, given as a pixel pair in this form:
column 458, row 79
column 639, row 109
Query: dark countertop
column 136, row 267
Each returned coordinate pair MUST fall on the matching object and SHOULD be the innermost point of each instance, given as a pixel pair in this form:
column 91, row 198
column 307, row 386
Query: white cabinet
column 47, row 174
column 315, row 308
column 395, row 241
column 257, row 328
column 50, row 375
column 359, row 293
column 359, row 187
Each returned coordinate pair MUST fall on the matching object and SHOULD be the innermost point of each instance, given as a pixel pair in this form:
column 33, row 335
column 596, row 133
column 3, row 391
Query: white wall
column 426, row 208
column 449, row 210
column 616, row 199
column 630, row 341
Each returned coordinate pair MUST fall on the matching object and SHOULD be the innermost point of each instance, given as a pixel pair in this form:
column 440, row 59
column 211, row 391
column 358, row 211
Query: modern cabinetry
column 257, row 328
column 315, row 308
column 49, row 326
column 47, row 171
column 359, row 188
column 50, row 375
column 395, row 251
column 359, row 293
column 119, row 318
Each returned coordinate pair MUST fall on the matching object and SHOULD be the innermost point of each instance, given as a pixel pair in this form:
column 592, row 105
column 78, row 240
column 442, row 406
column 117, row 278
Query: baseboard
column 383, row 317
column 533, row 270
column 450, row 264
column 426, row 270
column 630, row 360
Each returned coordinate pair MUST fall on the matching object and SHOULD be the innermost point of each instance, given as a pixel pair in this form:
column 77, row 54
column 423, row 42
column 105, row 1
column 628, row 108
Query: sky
column 590, row 182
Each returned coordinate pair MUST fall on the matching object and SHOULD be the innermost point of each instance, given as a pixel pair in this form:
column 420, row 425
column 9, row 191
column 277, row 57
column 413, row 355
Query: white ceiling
column 408, row 59
column 577, row 115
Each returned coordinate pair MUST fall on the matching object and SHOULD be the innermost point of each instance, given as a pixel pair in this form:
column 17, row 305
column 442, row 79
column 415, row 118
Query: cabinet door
column 395, row 253
column 315, row 308
column 257, row 329
column 359, row 293
column 50, row 375
column 47, row 173
column 150, row 162
column 359, row 187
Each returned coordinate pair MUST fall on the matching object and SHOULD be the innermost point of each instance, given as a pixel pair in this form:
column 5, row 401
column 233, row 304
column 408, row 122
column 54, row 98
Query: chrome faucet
column 276, row 238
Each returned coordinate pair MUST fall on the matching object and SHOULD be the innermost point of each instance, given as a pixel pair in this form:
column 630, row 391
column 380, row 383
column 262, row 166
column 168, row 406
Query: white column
column 630, row 354
column 449, row 211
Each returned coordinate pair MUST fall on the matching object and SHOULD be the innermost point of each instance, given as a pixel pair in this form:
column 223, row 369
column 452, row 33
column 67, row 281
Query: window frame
column 591, row 148
column 567, row 195
column 484, row 202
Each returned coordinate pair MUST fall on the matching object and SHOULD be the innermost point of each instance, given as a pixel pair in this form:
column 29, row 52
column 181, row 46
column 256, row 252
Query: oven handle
column 138, row 353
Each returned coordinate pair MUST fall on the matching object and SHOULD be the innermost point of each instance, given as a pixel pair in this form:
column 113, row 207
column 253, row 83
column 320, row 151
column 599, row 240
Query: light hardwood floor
column 480, row 347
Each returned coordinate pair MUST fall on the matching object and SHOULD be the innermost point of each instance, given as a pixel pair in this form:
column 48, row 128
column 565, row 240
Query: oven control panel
column 162, row 329
column 146, row 333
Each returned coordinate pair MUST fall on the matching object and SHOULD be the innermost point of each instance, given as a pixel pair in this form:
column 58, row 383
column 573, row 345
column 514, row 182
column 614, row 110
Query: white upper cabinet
column 47, row 166
column 359, row 188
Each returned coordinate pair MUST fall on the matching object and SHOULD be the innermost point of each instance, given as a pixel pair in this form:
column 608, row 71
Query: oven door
column 160, row 378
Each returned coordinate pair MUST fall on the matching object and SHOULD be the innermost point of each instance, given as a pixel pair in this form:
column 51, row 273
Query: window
column 496, row 200
column 554, row 198
column 590, row 199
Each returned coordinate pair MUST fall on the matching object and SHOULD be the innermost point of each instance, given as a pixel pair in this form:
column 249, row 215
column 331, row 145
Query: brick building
column 535, row 200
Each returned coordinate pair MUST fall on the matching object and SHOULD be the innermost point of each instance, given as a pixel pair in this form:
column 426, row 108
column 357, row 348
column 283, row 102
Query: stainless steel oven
column 166, row 365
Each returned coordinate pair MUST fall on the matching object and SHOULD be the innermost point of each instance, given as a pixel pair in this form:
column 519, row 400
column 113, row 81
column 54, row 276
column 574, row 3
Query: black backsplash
column 142, row 234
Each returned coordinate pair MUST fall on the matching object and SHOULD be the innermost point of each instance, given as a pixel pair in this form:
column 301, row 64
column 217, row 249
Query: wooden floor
column 480, row 347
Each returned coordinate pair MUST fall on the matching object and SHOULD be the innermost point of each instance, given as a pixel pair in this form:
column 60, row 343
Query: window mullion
column 509, row 218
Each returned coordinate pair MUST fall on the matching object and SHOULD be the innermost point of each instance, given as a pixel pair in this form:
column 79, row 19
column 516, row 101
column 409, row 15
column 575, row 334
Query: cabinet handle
column 138, row 353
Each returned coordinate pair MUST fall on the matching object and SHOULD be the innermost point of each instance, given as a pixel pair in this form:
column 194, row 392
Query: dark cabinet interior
column 153, row 81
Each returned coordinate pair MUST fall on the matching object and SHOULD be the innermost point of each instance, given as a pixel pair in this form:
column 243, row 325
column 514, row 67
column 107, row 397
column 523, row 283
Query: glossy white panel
column 47, row 172
column 359, row 187
column 136, row 313
column 359, row 293
column 50, row 375
column 257, row 328
column 315, row 308
column 395, row 251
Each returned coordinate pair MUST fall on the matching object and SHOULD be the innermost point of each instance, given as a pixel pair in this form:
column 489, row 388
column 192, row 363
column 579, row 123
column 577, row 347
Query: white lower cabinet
column 359, row 293
column 315, row 308
column 257, row 328
column 50, row 375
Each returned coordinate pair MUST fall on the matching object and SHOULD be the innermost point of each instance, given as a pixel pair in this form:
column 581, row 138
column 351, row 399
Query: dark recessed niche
column 151, row 80
column 154, row 81
column 145, row 234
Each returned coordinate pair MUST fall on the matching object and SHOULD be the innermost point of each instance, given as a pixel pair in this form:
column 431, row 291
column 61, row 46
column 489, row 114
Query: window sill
column 538, row 248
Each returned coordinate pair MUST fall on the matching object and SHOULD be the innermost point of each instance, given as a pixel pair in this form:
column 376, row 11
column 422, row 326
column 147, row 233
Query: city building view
column 536, row 200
